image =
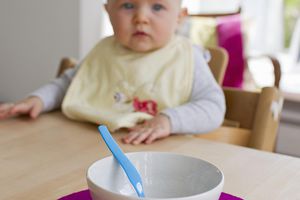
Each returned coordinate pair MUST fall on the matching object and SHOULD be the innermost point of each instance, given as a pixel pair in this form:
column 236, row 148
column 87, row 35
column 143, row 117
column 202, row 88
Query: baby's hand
column 151, row 130
column 31, row 106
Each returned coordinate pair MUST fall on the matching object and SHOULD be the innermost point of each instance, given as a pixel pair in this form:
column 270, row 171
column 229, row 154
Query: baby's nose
column 141, row 16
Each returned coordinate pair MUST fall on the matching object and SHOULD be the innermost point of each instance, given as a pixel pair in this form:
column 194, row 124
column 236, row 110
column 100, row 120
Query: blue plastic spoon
column 131, row 172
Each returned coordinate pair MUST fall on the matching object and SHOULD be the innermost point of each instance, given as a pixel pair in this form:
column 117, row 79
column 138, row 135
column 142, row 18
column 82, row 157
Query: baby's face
column 144, row 25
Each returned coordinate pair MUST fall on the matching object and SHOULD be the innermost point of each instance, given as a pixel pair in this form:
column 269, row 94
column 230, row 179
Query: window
column 291, row 14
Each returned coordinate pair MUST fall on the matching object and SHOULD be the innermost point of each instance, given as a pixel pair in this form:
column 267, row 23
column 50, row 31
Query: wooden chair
column 252, row 118
column 218, row 62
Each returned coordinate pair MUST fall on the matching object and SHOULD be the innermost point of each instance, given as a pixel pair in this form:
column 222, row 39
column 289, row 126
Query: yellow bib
column 112, row 79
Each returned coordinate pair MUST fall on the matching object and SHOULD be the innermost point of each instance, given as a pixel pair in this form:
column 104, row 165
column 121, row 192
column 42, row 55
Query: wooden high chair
column 251, row 118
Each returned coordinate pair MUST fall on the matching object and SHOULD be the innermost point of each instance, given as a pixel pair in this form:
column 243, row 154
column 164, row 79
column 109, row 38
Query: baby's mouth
column 140, row 33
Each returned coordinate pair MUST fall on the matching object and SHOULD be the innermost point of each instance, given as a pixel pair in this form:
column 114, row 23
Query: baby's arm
column 53, row 93
column 206, row 109
column 46, row 98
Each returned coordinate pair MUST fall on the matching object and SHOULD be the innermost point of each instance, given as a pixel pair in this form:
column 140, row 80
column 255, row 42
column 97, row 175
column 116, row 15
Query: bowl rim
column 220, row 184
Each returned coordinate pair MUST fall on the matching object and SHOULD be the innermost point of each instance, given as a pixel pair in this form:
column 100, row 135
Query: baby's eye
column 128, row 6
column 157, row 7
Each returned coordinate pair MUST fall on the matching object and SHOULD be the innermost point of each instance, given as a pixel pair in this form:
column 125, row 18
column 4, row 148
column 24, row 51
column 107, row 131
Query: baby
column 144, row 78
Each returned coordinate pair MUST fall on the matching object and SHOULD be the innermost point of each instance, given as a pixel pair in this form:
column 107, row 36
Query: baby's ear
column 182, row 15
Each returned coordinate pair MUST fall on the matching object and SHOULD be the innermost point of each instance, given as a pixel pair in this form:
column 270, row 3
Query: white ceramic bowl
column 165, row 176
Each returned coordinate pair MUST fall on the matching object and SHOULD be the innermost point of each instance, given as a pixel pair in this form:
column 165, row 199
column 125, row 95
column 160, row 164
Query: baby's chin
column 143, row 48
column 141, row 44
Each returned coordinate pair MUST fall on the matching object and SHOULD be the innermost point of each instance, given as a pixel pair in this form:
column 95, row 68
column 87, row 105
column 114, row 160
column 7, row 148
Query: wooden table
column 48, row 158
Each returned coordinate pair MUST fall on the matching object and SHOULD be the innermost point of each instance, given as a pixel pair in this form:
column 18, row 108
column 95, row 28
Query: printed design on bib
column 126, row 98
column 147, row 106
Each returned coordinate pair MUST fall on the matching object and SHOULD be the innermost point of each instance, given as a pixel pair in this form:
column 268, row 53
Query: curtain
column 294, row 50
column 266, row 26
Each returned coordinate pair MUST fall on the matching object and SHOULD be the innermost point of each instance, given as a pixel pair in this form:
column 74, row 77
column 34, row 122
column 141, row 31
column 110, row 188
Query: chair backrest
column 218, row 62
column 255, row 115
column 65, row 63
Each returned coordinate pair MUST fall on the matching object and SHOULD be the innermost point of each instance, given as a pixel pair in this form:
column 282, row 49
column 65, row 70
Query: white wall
column 288, row 139
column 91, row 25
column 36, row 34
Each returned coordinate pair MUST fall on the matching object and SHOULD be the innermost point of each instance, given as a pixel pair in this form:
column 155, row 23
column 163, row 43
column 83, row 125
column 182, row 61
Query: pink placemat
column 85, row 195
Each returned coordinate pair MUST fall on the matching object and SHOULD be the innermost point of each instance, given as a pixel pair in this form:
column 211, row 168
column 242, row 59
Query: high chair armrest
column 257, row 111
column 266, row 120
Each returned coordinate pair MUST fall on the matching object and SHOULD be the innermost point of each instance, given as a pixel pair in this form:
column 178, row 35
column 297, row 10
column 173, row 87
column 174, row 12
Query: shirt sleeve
column 206, row 109
column 52, row 94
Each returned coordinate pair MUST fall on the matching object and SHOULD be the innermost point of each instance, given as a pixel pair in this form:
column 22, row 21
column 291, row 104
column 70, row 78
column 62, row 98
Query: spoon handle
column 131, row 172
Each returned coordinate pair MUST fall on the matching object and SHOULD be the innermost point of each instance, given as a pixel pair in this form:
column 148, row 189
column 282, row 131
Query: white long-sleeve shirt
column 203, row 113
